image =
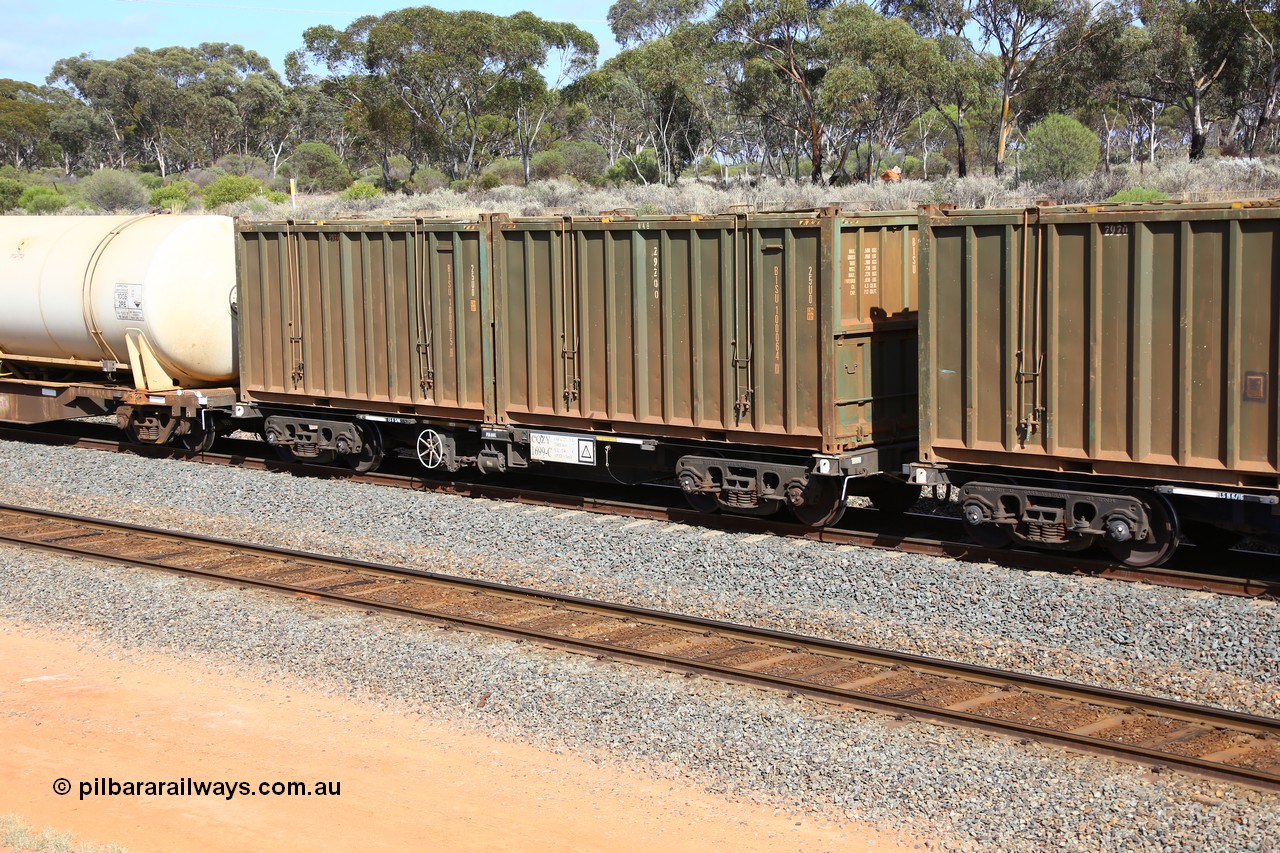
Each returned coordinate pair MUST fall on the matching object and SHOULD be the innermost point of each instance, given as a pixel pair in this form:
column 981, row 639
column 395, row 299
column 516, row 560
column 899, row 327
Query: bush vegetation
column 114, row 191
column 1059, row 148
column 230, row 189
column 42, row 199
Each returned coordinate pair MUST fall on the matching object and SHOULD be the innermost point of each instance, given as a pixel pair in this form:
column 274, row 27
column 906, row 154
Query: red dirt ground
column 69, row 710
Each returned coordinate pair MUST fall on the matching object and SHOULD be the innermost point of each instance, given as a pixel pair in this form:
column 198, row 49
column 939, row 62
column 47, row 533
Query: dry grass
column 20, row 838
column 1212, row 180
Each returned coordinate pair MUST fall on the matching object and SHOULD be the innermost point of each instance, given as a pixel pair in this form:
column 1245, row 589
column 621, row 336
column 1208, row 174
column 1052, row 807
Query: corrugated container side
column 386, row 316
column 721, row 327
column 1123, row 341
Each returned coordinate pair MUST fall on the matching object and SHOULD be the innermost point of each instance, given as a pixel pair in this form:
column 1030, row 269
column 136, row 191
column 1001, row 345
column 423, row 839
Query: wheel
column 431, row 450
column 987, row 534
column 370, row 455
column 1160, row 543
column 198, row 438
column 1206, row 537
column 823, row 502
column 707, row 502
column 894, row 496
column 702, row 501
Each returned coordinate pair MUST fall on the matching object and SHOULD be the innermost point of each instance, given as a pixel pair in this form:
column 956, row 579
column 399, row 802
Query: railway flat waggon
column 765, row 360
column 358, row 336
column 761, row 361
column 1103, row 373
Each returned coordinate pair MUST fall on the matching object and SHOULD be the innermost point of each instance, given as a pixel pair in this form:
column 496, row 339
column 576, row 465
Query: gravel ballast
column 970, row 790
column 981, row 791
column 1196, row 647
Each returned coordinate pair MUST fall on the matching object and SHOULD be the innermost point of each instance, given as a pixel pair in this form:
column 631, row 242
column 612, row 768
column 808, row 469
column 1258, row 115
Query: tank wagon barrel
column 131, row 315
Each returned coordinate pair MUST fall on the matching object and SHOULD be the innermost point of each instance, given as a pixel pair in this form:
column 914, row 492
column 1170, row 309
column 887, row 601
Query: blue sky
column 37, row 33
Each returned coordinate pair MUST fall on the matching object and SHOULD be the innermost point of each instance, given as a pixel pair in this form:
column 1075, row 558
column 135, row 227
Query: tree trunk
column 1196, row 151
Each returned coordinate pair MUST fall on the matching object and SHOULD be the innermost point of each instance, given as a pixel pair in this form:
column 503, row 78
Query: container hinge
column 1029, row 425
column 573, row 386
column 743, row 404
column 428, row 370
column 295, row 344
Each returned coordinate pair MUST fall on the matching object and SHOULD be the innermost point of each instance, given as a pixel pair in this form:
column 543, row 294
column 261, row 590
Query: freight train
column 1084, row 375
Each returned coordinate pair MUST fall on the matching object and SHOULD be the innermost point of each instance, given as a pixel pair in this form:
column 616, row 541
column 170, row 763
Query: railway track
column 1253, row 575
column 1205, row 741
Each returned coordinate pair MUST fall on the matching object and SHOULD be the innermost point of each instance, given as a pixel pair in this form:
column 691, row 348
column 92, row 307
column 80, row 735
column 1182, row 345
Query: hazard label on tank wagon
column 129, row 302
column 555, row 447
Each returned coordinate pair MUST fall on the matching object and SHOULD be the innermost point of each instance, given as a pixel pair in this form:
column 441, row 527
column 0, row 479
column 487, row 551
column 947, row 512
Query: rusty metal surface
column 1199, row 739
column 792, row 329
column 389, row 315
column 1134, row 341
column 30, row 402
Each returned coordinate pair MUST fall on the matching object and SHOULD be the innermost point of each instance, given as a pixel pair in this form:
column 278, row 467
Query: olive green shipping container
column 390, row 316
column 793, row 330
column 1128, row 341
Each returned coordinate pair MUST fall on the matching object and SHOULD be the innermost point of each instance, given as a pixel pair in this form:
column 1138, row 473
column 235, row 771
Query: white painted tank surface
column 73, row 288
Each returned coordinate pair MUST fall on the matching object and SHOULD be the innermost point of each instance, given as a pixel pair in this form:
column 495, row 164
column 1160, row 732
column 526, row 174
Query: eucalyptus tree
column 1263, row 17
column 175, row 107
column 571, row 52
column 957, row 75
column 872, row 90
column 663, row 80
column 783, row 66
column 614, row 117
column 637, row 21
column 25, row 115
column 459, row 77
column 1025, row 33
column 1200, row 49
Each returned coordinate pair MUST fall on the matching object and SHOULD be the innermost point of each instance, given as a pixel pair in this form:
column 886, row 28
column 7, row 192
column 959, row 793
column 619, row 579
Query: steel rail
column 1252, row 757
column 928, row 535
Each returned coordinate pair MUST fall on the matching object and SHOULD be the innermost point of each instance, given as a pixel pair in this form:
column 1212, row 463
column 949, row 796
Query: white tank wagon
column 118, row 314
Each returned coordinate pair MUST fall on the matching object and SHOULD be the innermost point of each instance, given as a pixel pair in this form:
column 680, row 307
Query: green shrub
column 276, row 196
column 176, row 197
column 150, row 180
column 10, row 193
column 429, row 180
column 243, row 164
column 1138, row 195
column 584, row 160
column 627, row 172
column 111, row 189
column 361, row 191
column 230, row 189
column 547, row 164
column 35, row 200
column 317, row 169
column 504, row 170
column 1059, row 148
